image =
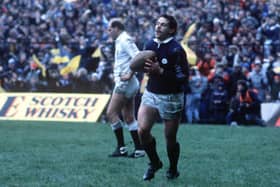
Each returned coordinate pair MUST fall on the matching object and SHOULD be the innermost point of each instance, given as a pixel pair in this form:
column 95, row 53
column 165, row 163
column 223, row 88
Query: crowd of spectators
column 233, row 40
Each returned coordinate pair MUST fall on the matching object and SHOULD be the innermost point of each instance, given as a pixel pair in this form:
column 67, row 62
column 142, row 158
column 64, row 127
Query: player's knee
column 111, row 116
column 143, row 134
column 108, row 115
column 128, row 119
column 171, row 143
column 170, row 136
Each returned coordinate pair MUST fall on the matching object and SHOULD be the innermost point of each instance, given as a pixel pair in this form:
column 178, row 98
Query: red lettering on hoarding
column 14, row 107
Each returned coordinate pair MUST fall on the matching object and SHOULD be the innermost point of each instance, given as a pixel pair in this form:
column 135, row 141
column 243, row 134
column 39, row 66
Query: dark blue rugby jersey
column 172, row 59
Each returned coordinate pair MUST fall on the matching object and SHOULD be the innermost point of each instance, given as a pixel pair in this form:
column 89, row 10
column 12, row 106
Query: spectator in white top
column 258, row 79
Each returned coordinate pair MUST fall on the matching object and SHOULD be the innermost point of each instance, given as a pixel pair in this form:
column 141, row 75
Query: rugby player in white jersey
column 122, row 99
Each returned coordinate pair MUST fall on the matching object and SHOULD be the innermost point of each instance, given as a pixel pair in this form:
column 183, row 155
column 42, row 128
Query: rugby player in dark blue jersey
column 164, row 95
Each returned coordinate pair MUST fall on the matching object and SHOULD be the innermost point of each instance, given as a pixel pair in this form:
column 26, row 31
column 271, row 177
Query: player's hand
column 127, row 76
column 152, row 67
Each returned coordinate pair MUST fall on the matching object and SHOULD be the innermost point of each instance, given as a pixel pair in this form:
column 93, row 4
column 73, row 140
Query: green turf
column 75, row 154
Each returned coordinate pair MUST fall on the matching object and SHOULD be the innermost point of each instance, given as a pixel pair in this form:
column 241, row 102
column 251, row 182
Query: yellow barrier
column 52, row 106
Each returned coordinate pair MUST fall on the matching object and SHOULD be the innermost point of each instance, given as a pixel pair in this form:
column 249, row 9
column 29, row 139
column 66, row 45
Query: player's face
column 162, row 29
column 113, row 32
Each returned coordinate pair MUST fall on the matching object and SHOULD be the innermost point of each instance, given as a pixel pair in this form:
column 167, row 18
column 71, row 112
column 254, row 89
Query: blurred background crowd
column 232, row 40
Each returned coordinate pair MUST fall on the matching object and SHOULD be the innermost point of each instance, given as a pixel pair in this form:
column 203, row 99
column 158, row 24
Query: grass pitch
column 75, row 154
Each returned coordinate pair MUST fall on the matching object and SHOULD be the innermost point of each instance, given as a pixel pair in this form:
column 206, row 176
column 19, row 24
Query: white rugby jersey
column 125, row 49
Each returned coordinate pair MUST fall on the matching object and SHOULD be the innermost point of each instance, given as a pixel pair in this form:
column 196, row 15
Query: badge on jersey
column 164, row 61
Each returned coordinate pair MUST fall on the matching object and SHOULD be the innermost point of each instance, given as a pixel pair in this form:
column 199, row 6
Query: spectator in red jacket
column 244, row 107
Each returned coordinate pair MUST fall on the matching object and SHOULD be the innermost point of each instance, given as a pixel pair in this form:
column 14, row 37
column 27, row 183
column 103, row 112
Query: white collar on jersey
column 164, row 41
column 159, row 42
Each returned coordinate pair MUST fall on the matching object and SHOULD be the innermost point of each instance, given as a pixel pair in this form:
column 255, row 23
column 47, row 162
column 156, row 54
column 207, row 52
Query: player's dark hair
column 117, row 23
column 172, row 22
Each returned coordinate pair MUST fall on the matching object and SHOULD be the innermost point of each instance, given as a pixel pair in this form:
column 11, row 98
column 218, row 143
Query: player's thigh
column 128, row 110
column 147, row 116
column 116, row 103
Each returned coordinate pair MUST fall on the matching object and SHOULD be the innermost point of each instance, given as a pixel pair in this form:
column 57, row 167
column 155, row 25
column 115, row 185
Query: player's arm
column 132, row 50
column 181, row 65
column 130, row 47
